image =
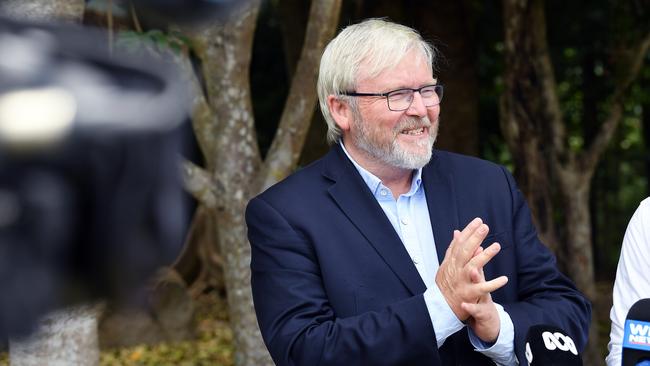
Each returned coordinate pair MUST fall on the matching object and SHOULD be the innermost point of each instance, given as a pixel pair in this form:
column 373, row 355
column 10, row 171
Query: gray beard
column 392, row 153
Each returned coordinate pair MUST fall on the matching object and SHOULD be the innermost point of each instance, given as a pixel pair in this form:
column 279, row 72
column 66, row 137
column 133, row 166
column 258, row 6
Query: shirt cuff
column 445, row 322
column 502, row 351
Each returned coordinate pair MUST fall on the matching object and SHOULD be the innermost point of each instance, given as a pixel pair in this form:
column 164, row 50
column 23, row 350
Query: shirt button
column 404, row 221
column 383, row 192
column 415, row 260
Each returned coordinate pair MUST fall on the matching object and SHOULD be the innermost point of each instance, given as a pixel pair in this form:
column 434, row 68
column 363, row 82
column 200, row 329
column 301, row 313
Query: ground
column 213, row 345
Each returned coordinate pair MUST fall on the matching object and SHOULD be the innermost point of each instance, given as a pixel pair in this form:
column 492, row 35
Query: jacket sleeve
column 298, row 323
column 546, row 296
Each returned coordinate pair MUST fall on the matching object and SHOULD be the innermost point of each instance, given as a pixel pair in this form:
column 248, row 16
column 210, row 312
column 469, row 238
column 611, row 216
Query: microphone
column 547, row 345
column 636, row 336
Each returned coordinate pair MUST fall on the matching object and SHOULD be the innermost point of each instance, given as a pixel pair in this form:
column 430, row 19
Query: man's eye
column 399, row 94
column 428, row 92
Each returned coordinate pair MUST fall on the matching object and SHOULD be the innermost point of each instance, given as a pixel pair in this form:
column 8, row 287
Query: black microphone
column 636, row 336
column 547, row 345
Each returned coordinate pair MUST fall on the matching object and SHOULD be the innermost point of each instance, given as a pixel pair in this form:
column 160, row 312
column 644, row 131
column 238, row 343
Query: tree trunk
column 227, row 139
column 531, row 165
column 44, row 10
column 575, row 187
column 224, row 126
column 524, row 117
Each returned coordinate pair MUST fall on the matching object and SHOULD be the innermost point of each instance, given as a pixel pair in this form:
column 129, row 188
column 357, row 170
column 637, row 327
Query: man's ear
column 340, row 111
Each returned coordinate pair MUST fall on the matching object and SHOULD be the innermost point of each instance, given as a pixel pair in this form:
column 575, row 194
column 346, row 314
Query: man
column 632, row 283
column 379, row 253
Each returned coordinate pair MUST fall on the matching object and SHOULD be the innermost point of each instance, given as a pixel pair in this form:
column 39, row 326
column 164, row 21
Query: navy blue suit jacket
column 333, row 284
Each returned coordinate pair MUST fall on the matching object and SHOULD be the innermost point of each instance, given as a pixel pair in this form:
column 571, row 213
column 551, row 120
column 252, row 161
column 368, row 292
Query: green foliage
column 585, row 40
column 620, row 183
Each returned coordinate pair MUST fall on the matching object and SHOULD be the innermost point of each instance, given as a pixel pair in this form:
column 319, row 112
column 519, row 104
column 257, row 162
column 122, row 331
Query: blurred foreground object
column 91, row 200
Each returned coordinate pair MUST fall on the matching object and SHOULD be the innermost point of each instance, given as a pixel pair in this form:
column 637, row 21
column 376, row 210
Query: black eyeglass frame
column 438, row 89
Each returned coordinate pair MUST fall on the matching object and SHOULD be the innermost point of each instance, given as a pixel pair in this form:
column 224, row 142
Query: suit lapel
column 355, row 200
column 441, row 199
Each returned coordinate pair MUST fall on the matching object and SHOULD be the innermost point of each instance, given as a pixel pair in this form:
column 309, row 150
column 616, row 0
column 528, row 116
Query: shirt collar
column 374, row 183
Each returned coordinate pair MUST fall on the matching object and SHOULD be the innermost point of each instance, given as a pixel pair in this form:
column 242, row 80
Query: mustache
column 409, row 123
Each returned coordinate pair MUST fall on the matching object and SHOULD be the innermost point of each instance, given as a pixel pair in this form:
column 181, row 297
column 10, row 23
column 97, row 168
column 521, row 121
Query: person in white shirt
column 632, row 282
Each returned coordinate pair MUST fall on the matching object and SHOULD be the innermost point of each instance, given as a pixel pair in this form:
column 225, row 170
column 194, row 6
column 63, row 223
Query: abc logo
column 529, row 353
column 559, row 341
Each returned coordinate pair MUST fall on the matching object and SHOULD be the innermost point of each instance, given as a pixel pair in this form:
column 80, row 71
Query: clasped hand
column 462, row 282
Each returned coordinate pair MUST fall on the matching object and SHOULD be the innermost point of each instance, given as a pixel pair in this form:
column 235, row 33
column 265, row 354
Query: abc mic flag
column 547, row 345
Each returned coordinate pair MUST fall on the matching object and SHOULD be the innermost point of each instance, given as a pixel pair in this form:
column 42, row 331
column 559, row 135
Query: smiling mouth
column 414, row 131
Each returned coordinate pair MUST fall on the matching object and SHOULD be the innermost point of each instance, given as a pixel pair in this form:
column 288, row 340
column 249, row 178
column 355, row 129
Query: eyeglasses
column 401, row 99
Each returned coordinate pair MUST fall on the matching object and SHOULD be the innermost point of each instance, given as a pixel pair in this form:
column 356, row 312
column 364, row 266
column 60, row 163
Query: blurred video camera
column 91, row 200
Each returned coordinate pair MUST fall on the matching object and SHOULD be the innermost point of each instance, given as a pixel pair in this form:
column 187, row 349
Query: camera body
column 91, row 200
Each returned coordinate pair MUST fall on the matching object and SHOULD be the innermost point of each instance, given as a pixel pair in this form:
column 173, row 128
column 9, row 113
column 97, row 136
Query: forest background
column 557, row 91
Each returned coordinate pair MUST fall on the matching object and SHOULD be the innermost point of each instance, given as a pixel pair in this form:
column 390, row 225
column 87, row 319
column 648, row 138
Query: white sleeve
column 632, row 282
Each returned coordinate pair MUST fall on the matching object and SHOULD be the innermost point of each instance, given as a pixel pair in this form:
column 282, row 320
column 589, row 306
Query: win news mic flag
column 547, row 345
column 636, row 336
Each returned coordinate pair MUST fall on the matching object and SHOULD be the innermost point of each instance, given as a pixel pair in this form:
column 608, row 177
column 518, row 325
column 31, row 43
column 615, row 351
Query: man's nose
column 417, row 107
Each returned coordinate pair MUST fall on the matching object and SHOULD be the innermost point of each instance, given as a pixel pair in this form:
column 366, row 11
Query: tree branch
column 299, row 107
column 529, row 72
column 225, row 50
column 541, row 61
column 513, row 18
column 631, row 68
column 202, row 186
column 201, row 113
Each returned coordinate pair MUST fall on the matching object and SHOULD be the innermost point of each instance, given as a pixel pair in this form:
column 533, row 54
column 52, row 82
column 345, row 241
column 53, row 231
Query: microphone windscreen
column 547, row 345
column 636, row 334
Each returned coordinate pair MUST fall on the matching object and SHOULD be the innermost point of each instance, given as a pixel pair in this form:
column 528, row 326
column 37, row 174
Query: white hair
column 378, row 44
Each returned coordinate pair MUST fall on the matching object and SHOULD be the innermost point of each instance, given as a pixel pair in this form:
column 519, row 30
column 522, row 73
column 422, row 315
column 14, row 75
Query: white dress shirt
column 632, row 282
